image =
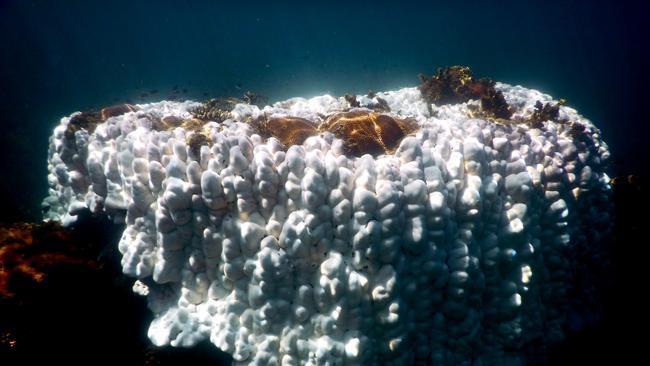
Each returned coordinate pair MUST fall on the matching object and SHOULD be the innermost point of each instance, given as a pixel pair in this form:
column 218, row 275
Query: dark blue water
column 59, row 57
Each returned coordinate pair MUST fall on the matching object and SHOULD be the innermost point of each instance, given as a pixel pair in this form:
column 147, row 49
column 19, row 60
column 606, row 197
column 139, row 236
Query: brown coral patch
column 367, row 132
column 117, row 110
column 362, row 132
column 290, row 130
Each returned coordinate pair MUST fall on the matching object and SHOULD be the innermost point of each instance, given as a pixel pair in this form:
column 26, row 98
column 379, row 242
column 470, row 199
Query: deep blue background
column 62, row 56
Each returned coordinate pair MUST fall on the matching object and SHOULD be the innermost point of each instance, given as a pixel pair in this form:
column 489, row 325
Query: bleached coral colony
column 457, row 247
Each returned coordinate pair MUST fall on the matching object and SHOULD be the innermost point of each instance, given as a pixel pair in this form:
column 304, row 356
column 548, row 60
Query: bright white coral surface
column 457, row 249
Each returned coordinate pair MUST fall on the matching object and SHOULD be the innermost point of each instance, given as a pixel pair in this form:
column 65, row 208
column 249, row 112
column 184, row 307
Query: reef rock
column 453, row 241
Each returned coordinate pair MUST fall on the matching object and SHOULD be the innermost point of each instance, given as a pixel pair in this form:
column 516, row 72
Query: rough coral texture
column 460, row 247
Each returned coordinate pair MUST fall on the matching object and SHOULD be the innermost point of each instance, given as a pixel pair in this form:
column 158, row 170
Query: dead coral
column 380, row 105
column 494, row 104
column 255, row 99
column 193, row 124
column 90, row 119
column 367, row 132
column 216, row 110
column 200, row 135
column 449, row 85
column 577, row 129
column 195, row 141
column 85, row 120
column 165, row 123
column 352, row 100
column 545, row 112
column 456, row 84
column 171, row 121
column 258, row 125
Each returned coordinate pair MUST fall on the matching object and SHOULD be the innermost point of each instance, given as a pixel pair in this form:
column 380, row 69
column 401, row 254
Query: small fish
column 175, row 87
column 184, row 90
column 153, row 91
column 144, row 95
column 205, row 94
column 238, row 86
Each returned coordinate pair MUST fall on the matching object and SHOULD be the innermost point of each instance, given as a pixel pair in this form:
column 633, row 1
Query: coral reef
column 362, row 132
column 299, row 233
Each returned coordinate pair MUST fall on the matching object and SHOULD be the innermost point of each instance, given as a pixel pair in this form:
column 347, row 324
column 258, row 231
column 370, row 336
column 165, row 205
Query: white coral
column 453, row 250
